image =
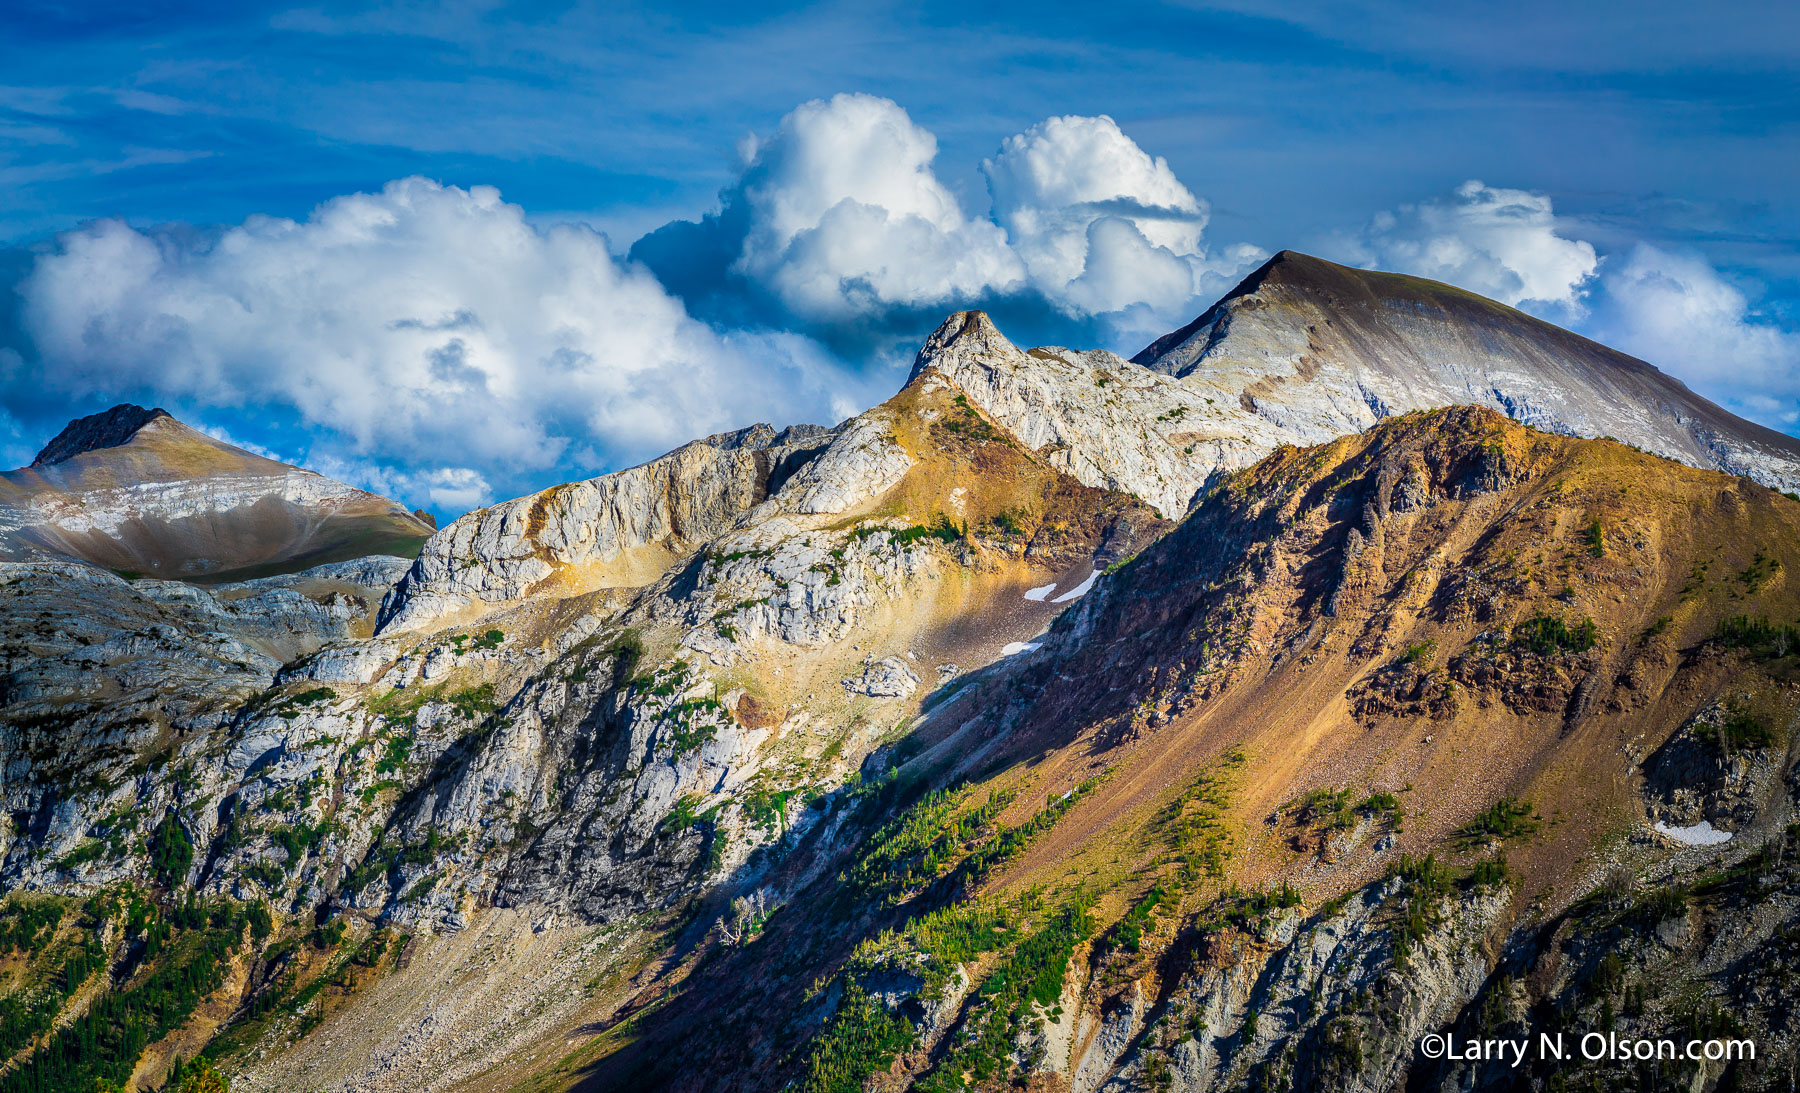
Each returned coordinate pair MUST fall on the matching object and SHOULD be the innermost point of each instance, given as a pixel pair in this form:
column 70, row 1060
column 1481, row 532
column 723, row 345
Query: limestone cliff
column 621, row 529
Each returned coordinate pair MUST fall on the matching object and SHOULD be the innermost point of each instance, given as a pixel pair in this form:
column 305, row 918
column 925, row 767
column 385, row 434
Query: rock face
column 1703, row 775
column 1305, row 350
column 1322, row 1002
column 101, row 672
column 136, row 490
column 888, row 677
column 623, row 528
column 1097, row 416
column 107, row 429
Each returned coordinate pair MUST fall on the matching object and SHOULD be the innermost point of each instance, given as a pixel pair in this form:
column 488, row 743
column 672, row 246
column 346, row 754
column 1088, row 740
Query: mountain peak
column 963, row 333
column 135, row 490
column 1345, row 285
column 1340, row 288
column 1328, row 349
column 107, row 429
column 1287, row 268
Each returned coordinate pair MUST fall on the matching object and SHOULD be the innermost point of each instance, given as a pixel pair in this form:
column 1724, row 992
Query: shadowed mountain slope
column 1376, row 720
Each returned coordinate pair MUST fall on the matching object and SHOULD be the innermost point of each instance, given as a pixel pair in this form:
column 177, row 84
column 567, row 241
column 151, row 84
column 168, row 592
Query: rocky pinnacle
column 107, row 429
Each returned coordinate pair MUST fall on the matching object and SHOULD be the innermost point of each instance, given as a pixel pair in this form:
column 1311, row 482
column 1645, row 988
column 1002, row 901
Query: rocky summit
column 1362, row 662
column 107, row 429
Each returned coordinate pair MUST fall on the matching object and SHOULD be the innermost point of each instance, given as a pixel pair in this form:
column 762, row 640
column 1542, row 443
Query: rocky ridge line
column 1305, row 351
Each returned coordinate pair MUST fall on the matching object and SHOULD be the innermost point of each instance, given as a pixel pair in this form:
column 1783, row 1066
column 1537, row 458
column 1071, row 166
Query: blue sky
column 180, row 220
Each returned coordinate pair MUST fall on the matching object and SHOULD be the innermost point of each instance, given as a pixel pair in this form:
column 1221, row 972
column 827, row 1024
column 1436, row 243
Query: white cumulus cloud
column 838, row 218
column 1678, row 312
column 1100, row 225
column 426, row 326
column 455, row 488
column 1501, row 243
column 845, row 215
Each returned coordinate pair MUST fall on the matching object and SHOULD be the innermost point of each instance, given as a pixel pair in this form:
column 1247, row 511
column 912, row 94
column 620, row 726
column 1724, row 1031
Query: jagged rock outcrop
column 1715, row 771
column 889, row 677
column 107, row 429
column 620, row 529
column 109, row 675
column 1695, row 952
column 1098, row 417
column 862, row 462
column 1326, row 1002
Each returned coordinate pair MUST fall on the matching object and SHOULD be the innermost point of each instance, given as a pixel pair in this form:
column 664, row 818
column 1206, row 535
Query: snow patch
column 1079, row 590
column 1036, row 595
column 1013, row 648
column 1700, row 834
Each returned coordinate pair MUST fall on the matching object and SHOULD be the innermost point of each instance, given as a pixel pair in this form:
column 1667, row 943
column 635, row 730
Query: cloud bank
column 431, row 343
column 440, row 346
column 424, row 326
column 838, row 219
column 1504, row 244
column 1679, row 312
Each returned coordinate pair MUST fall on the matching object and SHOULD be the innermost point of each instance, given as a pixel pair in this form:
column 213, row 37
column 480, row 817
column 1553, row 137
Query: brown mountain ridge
column 137, row 491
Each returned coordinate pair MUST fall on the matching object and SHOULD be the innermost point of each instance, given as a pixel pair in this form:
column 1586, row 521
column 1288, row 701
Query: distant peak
column 107, row 429
column 1294, row 275
column 962, row 332
column 1291, row 267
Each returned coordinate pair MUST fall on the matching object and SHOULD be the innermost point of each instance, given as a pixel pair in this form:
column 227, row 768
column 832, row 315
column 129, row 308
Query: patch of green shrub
column 1757, row 635
column 1547, row 635
column 171, row 852
column 1507, row 818
column 861, row 1038
column 1738, row 729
